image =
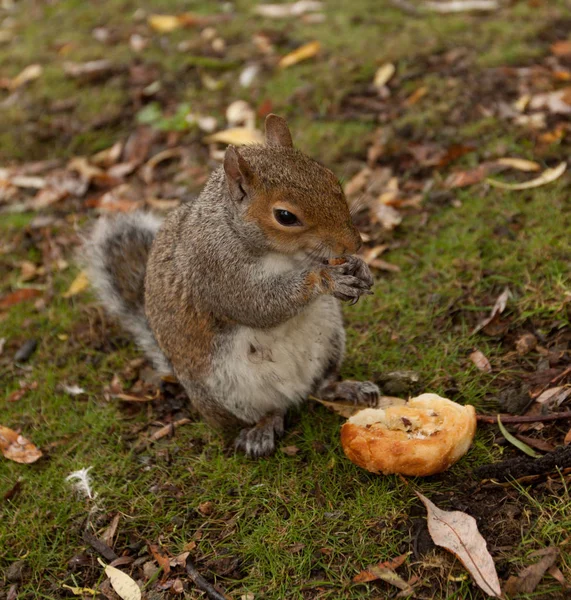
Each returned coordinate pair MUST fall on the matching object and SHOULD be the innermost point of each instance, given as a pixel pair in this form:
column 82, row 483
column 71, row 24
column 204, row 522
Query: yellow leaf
column 237, row 136
column 124, row 585
column 78, row 285
column 30, row 73
column 519, row 163
column 546, row 177
column 164, row 23
column 302, row 53
column 383, row 75
column 79, row 591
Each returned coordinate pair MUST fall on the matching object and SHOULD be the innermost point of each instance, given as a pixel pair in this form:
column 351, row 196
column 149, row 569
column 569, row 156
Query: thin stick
column 201, row 583
column 524, row 418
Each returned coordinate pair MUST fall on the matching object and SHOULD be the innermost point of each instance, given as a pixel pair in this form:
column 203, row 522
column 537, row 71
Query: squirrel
column 237, row 293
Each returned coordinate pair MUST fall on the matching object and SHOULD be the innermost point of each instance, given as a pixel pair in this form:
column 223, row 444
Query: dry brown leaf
column 206, row 508
column 416, row 96
column 304, row 52
column 16, row 447
column 525, row 344
column 498, row 309
column 78, row 285
column 519, row 163
column 290, row 450
column 481, row 362
column 180, row 560
column 548, row 176
column 557, row 102
column 387, row 216
column 529, row 578
column 567, row 439
column 148, row 171
column 383, row 265
column 458, row 533
column 161, row 557
column 561, row 48
column 19, row 296
column 370, row 254
column 471, row 177
column 236, row 136
column 367, row 575
column 108, row 535
column 89, row 71
column 558, row 575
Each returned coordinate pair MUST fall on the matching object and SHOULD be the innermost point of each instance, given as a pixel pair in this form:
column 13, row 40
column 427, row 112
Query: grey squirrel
column 238, row 292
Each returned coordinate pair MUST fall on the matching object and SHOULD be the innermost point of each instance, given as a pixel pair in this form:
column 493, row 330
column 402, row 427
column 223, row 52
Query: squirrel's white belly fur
column 273, row 369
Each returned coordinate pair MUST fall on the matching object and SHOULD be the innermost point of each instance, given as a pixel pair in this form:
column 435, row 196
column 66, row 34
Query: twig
column 524, row 418
column 201, row 583
column 99, row 546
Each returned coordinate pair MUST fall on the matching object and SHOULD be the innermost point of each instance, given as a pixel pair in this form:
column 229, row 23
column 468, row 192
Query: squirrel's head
column 297, row 204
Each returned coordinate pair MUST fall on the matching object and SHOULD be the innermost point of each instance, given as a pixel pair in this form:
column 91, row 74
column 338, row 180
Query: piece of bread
column 425, row 436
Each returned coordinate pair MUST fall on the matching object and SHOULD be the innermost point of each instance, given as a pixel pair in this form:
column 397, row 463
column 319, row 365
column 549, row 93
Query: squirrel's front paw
column 260, row 440
column 350, row 279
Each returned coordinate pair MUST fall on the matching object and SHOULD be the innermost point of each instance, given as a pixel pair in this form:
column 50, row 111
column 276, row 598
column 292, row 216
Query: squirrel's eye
column 286, row 218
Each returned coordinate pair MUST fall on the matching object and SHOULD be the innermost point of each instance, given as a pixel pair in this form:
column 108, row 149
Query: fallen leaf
column 180, row 560
column 164, row 23
column 561, row 48
column 30, row 73
column 548, row 176
column 383, row 75
column 391, row 577
column 161, row 557
column 78, row 285
column 519, row 163
column 529, row 578
column 79, row 591
column 558, row 102
column 498, row 309
column 525, row 344
column 515, row 442
column 536, row 443
column 387, row 216
column 73, row 390
column 294, row 9
column 108, row 535
column 240, row 113
column 456, row 6
column 17, row 448
column 471, row 177
column 383, row 265
column 124, row 585
column 236, row 136
column 92, row 70
column 416, row 96
column 554, row 397
column 302, row 53
column 567, row 439
column 481, row 362
column 206, row 508
column 177, row 587
column 290, row 450
column 367, row 575
column 370, row 254
column 458, row 533
column 19, row 296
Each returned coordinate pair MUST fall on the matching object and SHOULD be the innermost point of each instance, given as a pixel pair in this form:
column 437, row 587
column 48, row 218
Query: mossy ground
column 289, row 526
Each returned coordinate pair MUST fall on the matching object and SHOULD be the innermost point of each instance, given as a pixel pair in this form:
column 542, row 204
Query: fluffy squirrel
column 238, row 292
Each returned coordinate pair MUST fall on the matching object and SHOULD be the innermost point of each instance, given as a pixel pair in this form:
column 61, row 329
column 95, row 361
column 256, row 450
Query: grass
column 291, row 526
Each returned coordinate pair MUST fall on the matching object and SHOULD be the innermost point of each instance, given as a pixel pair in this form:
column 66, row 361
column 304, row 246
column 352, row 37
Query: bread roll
column 423, row 437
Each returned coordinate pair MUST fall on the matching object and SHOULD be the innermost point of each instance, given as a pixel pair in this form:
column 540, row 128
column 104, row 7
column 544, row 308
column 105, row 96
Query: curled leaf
column 458, row 533
column 548, row 176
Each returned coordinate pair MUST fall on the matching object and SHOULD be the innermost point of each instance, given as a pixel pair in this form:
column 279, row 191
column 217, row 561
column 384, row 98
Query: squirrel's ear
column 277, row 132
column 238, row 173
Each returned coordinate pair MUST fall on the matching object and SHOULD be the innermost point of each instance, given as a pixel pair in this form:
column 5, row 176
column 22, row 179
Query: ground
column 303, row 523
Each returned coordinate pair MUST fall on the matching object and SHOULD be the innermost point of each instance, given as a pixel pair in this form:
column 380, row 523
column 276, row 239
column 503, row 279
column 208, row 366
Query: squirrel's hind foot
column 359, row 393
column 260, row 440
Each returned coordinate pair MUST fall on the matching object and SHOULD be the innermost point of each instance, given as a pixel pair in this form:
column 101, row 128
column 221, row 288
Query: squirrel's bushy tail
column 116, row 254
